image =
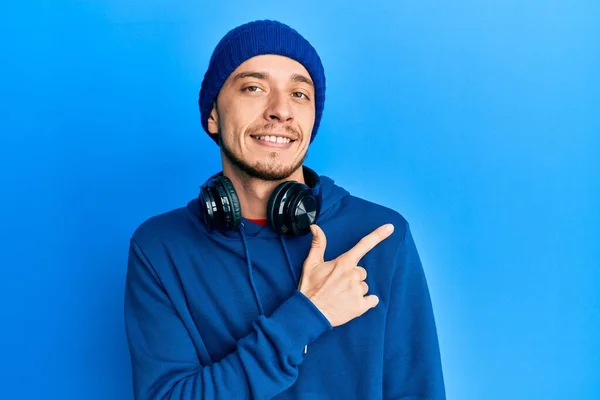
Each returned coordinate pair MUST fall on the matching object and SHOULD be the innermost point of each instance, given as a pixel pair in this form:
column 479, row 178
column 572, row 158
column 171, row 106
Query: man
column 276, row 282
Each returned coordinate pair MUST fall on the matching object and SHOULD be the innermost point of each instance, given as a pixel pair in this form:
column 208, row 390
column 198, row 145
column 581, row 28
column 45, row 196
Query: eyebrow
column 263, row 75
column 256, row 75
column 302, row 79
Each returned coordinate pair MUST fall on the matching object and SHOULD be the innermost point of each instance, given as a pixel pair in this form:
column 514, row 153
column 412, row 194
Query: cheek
column 229, row 122
column 306, row 118
column 241, row 115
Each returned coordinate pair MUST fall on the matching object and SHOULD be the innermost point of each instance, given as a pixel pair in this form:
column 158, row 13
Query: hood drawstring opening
column 251, row 271
column 289, row 259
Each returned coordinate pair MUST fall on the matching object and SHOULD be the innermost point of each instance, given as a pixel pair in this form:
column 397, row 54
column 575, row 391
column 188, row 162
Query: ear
column 213, row 120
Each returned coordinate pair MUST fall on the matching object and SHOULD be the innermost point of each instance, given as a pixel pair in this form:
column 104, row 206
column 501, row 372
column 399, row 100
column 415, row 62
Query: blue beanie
column 257, row 38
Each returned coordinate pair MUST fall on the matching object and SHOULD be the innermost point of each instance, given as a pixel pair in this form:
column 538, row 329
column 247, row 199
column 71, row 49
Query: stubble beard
column 269, row 170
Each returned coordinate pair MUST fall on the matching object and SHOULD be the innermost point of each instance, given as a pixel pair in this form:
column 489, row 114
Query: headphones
column 291, row 209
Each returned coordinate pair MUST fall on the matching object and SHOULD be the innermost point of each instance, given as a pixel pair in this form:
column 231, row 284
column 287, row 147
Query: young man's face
column 265, row 114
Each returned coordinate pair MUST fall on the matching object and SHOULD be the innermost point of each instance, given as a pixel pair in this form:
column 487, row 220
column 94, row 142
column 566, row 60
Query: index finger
column 367, row 243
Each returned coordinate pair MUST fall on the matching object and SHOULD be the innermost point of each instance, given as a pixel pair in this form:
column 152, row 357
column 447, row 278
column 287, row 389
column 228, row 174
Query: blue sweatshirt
column 219, row 316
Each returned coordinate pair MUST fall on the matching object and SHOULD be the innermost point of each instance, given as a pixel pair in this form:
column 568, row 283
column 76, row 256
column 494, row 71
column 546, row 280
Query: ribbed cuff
column 301, row 319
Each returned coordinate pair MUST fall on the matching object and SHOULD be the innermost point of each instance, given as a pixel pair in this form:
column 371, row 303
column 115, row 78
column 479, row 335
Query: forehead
column 276, row 66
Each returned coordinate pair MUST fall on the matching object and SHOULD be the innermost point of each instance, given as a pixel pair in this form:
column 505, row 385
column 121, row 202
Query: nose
column 279, row 108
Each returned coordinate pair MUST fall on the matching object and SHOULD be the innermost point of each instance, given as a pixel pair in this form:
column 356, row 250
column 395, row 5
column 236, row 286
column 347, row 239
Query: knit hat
column 257, row 38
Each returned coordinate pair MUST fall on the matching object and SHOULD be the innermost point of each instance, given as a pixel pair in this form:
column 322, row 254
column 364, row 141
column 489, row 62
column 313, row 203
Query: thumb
column 316, row 254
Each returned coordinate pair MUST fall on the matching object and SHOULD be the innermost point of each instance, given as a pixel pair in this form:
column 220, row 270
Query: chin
column 269, row 169
column 272, row 164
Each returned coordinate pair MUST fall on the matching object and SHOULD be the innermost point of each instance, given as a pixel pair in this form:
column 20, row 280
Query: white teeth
column 274, row 139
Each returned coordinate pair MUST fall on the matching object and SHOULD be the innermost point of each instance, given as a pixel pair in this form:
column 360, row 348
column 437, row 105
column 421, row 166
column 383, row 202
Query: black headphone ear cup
column 303, row 210
column 230, row 205
column 292, row 209
column 276, row 208
column 209, row 207
column 233, row 198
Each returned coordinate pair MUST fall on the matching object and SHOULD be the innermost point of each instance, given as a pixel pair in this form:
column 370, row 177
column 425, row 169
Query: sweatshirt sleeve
column 412, row 362
column 165, row 364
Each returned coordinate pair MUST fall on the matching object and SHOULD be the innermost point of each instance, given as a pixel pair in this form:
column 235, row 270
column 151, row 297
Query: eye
column 300, row 95
column 251, row 89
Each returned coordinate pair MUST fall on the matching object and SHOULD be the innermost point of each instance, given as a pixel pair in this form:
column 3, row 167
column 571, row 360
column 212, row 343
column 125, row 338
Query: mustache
column 267, row 128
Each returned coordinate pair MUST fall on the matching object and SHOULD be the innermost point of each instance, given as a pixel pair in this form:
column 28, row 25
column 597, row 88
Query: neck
column 254, row 193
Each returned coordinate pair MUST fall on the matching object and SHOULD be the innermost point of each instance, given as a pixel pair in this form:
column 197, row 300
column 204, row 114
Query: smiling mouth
column 273, row 139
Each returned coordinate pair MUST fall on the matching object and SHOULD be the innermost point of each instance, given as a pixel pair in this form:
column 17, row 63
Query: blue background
column 479, row 121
